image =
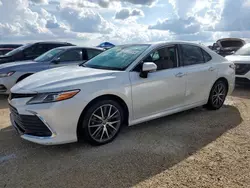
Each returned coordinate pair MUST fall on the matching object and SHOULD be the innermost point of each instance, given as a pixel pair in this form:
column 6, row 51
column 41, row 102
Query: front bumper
column 243, row 79
column 61, row 118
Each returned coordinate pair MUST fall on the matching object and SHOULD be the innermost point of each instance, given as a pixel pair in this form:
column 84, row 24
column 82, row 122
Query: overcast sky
column 123, row 21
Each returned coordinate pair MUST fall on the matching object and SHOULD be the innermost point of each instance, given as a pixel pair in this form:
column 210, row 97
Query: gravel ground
column 196, row 148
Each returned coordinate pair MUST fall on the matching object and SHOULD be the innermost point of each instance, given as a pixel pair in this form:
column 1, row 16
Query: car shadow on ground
column 3, row 101
column 138, row 153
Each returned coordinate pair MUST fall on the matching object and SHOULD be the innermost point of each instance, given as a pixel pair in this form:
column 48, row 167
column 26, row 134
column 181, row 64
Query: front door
column 161, row 90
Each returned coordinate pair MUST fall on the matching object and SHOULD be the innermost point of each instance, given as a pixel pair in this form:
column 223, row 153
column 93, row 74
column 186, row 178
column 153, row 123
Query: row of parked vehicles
column 104, row 90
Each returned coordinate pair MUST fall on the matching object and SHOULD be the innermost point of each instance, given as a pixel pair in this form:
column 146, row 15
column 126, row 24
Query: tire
column 96, row 128
column 217, row 95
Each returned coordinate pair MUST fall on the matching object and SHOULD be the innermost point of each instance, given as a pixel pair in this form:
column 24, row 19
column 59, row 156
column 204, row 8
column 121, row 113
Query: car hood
column 63, row 78
column 238, row 58
column 15, row 64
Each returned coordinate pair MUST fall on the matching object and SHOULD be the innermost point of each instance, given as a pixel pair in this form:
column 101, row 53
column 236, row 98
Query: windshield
column 245, row 50
column 231, row 43
column 48, row 56
column 13, row 52
column 117, row 58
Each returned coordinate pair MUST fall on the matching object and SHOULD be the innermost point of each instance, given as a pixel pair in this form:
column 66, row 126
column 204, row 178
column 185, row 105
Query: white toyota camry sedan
column 125, row 85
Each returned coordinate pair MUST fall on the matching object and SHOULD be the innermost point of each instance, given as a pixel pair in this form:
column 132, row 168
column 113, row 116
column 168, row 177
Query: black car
column 30, row 51
column 10, row 45
column 5, row 48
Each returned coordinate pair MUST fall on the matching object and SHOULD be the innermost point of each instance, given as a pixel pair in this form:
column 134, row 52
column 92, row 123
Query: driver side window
column 71, row 55
column 164, row 58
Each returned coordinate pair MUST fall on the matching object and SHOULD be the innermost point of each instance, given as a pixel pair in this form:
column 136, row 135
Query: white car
column 241, row 58
column 125, row 85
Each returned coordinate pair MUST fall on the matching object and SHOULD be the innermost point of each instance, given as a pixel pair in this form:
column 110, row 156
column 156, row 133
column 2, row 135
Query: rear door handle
column 211, row 69
column 180, row 74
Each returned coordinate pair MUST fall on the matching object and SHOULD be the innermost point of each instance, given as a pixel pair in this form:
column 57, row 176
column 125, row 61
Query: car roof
column 50, row 42
column 80, row 47
column 162, row 43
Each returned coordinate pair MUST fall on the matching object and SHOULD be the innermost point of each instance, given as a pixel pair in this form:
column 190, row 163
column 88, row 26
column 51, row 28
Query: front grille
column 20, row 95
column 29, row 124
column 242, row 69
column 3, row 88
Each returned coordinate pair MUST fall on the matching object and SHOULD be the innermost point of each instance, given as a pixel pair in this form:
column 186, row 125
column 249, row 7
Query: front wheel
column 217, row 95
column 102, row 122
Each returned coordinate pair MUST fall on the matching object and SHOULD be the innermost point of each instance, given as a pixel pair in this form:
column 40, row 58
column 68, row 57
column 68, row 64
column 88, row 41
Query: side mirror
column 56, row 61
column 147, row 67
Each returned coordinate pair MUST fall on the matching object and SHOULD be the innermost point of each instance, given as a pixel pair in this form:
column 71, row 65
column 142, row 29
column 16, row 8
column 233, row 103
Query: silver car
column 11, row 73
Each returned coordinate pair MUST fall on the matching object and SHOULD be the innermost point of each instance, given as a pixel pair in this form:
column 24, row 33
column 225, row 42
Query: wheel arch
column 114, row 97
column 224, row 80
column 23, row 76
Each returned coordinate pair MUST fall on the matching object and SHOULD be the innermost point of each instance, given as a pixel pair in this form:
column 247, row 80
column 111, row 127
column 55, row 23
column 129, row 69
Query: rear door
column 70, row 57
column 201, row 73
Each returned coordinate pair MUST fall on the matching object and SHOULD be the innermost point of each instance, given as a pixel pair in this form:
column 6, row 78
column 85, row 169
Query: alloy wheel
column 104, row 123
column 219, row 95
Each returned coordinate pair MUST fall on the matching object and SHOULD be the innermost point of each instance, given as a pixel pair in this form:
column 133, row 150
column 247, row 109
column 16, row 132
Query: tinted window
column 92, row 53
column 191, row 55
column 72, row 55
column 36, row 50
column 164, row 58
column 206, row 56
column 17, row 50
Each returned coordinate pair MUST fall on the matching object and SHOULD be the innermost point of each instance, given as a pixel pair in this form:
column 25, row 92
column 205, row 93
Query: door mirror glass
column 147, row 67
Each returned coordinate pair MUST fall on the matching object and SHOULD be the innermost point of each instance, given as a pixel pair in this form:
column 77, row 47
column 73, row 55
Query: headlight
column 6, row 74
column 52, row 97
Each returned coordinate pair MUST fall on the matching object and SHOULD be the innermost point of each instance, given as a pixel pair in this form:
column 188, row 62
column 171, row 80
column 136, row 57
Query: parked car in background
column 11, row 73
column 227, row 46
column 4, row 51
column 241, row 58
column 10, row 45
column 30, row 51
column 5, row 48
column 124, row 85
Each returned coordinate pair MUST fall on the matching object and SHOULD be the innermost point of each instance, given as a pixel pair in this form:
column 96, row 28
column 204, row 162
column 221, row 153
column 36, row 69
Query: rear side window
column 92, row 53
column 206, row 56
column 191, row 55
column 71, row 55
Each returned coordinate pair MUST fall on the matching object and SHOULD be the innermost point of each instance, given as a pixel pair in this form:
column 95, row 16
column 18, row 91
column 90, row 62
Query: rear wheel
column 102, row 122
column 217, row 96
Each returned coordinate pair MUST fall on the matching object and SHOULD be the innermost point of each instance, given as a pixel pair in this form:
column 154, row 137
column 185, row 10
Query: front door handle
column 180, row 74
column 211, row 69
